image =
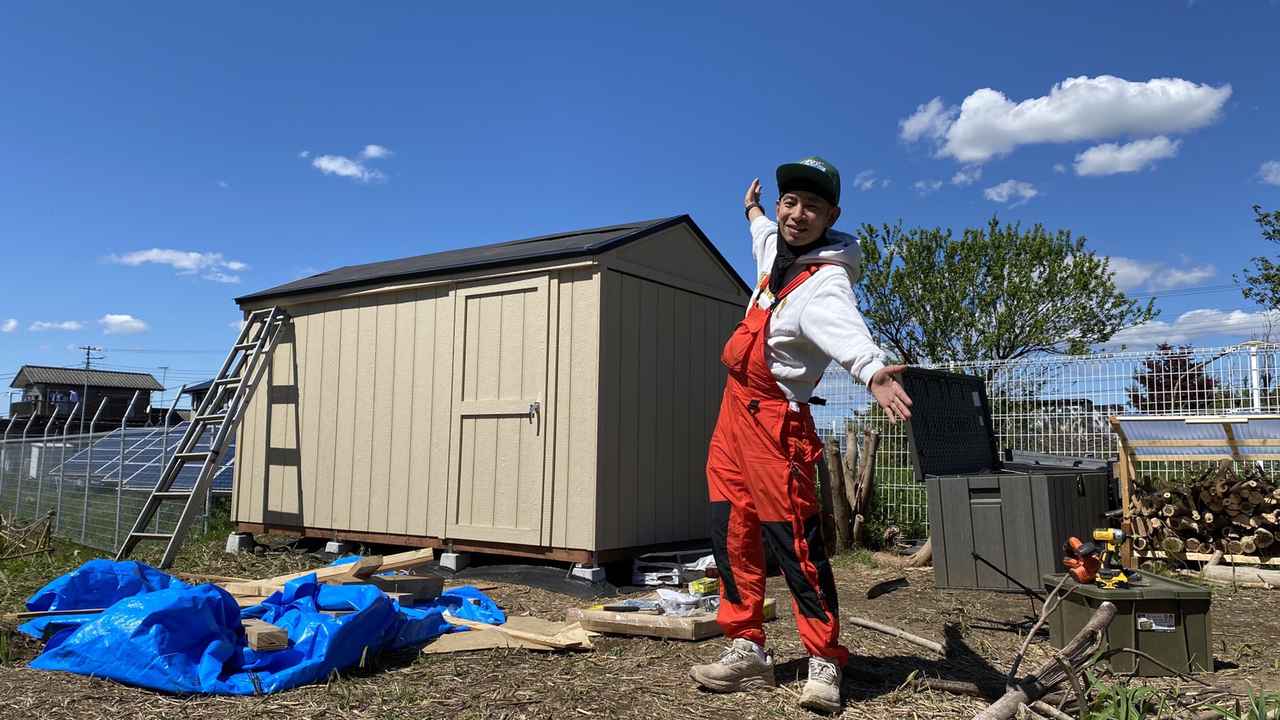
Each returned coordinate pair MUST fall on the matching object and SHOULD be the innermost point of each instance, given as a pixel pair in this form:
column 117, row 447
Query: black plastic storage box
column 994, row 524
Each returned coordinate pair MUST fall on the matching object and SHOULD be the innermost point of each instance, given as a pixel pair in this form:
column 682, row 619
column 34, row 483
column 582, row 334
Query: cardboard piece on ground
column 699, row 626
column 264, row 636
column 490, row 639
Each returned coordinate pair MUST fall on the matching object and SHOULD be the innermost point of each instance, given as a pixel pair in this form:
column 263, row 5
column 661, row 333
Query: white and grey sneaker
column 743, row 666
column 822, row 692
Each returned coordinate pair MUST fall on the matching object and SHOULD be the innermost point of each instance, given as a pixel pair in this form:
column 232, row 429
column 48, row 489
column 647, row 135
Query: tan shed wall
column 360, row 440
column 660, row 386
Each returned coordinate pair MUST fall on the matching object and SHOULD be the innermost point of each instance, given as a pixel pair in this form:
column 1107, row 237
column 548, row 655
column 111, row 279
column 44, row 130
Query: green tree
column 1171, row 380
column 994, row 293
column 1261, row 283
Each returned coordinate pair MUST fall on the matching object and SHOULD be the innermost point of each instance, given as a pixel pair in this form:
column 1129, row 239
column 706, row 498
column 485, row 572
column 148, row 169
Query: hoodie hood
column 842, row 250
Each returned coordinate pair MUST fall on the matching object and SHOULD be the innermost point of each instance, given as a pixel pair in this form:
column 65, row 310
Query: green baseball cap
column 812, row 174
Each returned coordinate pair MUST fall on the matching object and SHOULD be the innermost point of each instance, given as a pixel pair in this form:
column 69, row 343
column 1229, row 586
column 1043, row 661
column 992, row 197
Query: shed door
column 499, row 411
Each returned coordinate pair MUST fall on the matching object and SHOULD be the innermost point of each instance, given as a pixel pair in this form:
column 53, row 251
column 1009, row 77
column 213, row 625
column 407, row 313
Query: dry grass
column 628, row 678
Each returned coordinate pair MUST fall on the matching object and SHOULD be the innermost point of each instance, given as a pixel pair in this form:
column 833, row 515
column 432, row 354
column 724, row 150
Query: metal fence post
column 62, row 468
column 44, row 454
column 1255, row 379
column 88, row 472
column 4, row 450
column 124, row 423
column 22, row 447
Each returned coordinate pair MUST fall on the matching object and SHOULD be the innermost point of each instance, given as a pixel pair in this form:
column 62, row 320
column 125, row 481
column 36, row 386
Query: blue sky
column 162, row 160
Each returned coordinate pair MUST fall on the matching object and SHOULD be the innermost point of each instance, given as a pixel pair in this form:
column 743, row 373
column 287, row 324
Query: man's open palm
column 889, row 394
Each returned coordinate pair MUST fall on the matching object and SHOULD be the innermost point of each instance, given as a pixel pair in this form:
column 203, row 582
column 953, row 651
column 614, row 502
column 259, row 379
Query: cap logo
column 811, row 162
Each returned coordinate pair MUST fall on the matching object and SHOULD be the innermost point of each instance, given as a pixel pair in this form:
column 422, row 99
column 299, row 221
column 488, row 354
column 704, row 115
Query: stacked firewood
column 1222, row 509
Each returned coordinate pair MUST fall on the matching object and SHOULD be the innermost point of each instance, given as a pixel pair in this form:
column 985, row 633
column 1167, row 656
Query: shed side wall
column 660, row 381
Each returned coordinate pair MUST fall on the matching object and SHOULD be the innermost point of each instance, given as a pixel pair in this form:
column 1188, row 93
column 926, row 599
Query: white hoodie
column 819, row 321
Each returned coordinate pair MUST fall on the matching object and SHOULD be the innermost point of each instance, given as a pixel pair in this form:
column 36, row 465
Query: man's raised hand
column 889, row 394
column 751, row 203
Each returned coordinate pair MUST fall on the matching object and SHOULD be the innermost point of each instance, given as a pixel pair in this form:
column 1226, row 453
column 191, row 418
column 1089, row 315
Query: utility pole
column 164, row 380
column 88, row 359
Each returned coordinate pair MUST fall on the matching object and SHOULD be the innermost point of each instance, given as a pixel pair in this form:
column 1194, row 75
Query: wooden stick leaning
column 1050, row 674
column 938, row 648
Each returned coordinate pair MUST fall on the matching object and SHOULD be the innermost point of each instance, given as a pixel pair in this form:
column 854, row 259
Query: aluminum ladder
column 219, row 413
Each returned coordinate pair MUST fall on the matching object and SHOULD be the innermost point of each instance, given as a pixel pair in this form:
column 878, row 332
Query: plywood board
column 700, row 626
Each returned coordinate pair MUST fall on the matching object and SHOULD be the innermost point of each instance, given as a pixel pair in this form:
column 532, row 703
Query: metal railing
column 1061, row 405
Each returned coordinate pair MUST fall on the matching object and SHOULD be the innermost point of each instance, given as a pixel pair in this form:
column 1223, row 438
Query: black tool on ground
column 621, row 608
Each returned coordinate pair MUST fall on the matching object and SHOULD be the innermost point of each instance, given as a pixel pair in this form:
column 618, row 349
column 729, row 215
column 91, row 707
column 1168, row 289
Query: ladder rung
column 193, row 454
column 245, row 345
column 171, row 494
column 152, row 536
column 215, row 417
column 228, row 381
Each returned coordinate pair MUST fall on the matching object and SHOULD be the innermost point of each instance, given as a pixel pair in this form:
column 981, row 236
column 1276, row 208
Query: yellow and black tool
column 1097, row 561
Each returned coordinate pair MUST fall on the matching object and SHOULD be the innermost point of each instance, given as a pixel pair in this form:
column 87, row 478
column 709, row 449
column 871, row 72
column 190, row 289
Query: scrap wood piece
column 695, row 627
column 899, row 633
column 263, row 635
column 388, row 563
column 493, row 639
column 1076, row 652
column 547, row 640
column 201, row 577
column 30, row 614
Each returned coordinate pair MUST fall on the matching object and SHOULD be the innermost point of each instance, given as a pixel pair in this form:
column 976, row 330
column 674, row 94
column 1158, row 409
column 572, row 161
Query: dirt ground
column 633, row 678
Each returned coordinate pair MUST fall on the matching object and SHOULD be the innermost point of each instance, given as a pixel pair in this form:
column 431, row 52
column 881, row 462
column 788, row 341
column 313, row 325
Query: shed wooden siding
column 661, row 381
column 371, row 427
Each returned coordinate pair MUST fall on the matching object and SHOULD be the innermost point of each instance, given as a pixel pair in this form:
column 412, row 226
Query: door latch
column 534, row 407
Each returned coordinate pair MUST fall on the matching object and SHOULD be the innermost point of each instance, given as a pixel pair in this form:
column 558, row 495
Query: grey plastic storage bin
column 995, row 524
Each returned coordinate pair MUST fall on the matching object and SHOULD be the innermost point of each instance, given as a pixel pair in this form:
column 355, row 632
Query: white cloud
column 1270, row 172
column 1156, row 275
column 967, row 175
column 9, row 325
column 113, row 324
column 346, row 167
column 1010, row 190
column 867, row 180
column 1110, row 158
column 924, row 187
column 211, row 265
column 931, row 120
column 987, row 123
column 373, row 152
column 68, row 325
column 1197, row 324
column 1059, row 168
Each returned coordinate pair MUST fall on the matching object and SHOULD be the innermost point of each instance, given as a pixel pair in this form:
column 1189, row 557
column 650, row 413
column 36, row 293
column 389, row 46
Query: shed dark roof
column 560, row 246
column 42, row 374
column 198, row 387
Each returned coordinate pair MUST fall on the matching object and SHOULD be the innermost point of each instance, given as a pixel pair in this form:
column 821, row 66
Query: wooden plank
column 421, row 414
column 442, row 425
column 264, row 636
column 367, row 352
column 1205, row 557
column 385, row 391
column 1228, row 442
column 548, row 640
column 645, row 516
column 363, row 567
column 628, row 422
column 415, row 588
column 349, row 373
column 608, row 484
column 551, row 411
column 699, row 626
column 400, row 443
column 581, row 490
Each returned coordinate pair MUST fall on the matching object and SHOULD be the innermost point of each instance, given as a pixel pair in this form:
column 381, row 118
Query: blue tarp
column 160, row 633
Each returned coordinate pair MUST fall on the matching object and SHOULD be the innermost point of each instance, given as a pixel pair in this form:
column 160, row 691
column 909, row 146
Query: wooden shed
column 548, row 397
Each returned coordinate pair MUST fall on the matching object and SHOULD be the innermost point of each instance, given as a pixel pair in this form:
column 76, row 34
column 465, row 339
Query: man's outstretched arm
column 751, row 203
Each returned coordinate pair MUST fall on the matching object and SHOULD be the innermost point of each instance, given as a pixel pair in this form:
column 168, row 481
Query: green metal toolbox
column 1164, row 618
column 994, row 524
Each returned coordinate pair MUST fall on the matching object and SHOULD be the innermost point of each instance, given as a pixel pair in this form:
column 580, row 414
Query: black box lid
column 950, row 427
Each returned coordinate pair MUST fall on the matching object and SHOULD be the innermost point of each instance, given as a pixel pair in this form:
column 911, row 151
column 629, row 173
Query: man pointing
column 802, row 316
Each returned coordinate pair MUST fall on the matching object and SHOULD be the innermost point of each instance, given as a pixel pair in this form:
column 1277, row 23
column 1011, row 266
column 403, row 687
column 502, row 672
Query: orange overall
column 760, row 477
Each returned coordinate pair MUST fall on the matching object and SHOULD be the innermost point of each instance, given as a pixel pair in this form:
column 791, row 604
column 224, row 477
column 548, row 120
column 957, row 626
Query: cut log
column 864, row 484
column 1172, row 544
column 1140, row 542
column 1264, row 538
column 830, row 534
column 1191, row 544
column 1248, row 545
column 1240, row 575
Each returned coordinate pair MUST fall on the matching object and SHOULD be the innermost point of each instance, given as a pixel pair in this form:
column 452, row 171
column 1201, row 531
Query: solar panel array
column 145, row 452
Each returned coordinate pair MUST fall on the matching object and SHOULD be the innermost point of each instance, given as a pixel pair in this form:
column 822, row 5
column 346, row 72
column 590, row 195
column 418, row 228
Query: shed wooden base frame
column 495, row 548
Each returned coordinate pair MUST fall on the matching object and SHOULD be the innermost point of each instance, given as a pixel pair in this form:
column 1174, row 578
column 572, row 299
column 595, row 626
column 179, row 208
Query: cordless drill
column 1095, row 561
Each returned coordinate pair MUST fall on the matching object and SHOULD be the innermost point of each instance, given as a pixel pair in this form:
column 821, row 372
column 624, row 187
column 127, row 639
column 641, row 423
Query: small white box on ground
column 455, row 561
column 240, row 543
column 590, row 573
column 339, row 547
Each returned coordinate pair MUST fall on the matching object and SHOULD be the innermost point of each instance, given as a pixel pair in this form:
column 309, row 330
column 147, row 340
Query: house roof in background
column 45, row 375
column 560, row 246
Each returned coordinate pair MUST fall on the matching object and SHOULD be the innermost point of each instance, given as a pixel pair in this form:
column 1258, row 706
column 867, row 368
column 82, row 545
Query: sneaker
column 743, row 666
column 822, row 692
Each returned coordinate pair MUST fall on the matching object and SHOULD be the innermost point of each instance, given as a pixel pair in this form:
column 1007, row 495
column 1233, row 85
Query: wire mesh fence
column 1058, row 404
column 1062, row 405
column 94, row 484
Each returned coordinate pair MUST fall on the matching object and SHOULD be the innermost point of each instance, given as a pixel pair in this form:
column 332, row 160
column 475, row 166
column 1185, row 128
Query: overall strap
column 808, row 272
